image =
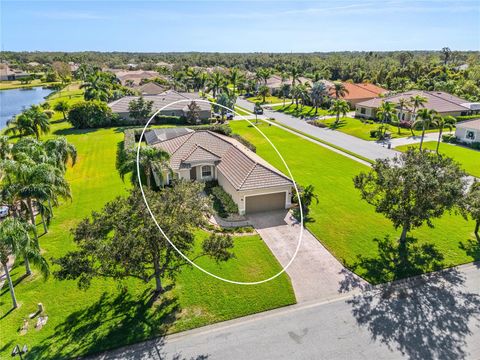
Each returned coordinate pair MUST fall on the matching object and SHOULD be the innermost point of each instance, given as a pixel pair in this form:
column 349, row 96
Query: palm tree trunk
column 32, row 217
column 50, row 207
column 423, row 134
column 10, row 285
column 338, row 118
column 439, row 138
column 44, row 223
column 147, row 175
column 28, row 270
column 477, row 229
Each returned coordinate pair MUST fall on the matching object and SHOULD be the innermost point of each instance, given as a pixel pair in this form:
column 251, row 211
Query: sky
column 239, row 26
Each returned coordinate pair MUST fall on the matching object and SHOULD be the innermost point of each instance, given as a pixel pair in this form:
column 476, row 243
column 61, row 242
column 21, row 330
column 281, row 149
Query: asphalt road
column 432, row 317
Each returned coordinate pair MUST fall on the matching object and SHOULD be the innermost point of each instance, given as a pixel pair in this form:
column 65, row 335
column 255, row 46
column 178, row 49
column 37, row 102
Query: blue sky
column 239, row 26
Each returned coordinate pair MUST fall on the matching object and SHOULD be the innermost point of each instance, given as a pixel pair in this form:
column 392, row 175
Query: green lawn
column 344, row 223
column 16, row 84
column 268, row 99
column 361, row 129
column 468, row 158
column 305, row 111
column 82, row 322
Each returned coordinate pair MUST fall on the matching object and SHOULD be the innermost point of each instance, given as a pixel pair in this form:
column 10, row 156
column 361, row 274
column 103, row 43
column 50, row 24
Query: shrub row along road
column 436, row 316
column 367, row 149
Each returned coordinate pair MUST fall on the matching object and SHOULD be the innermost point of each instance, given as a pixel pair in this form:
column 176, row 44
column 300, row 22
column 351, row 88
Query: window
column 470, row 135
column 206, row 171
column 362, row 111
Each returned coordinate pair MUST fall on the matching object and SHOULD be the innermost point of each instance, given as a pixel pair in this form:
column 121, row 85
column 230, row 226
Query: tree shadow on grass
column 472, row 249
column 73, row 131
column 423, row 317
column 112, row 321
column 341, row 123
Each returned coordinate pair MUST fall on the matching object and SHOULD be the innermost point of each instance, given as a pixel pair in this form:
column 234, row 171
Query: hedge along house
column 441, row 102
column 253, row 184
column 468, row 131
column 168, row 97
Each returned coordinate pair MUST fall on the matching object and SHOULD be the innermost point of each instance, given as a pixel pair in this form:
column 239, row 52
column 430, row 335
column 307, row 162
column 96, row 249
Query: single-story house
column 468, row 131
column 442, row 102
column 253, row 184
column 275, row 82
column 120, row 106
column 151, row 88
column 9, row 74
column 133, row 77
column 356, row 93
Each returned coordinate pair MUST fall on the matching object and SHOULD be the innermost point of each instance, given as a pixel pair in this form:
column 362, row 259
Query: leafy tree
column 339, row 106
column 15, row 240
column 4, row 147
column 471, row 206
column 90, row 114
column 442, row 123
column 225, row 100
column 151, row 160
column 412, row 189
column 140, row 109
column 122, row 241
column 193, row 113
column 62, row 70
column 446, row 52
column 51, row 76
column 63, row 106
column 264, row 91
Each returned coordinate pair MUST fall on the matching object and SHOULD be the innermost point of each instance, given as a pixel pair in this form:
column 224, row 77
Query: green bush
column 449, row 138
column 169, row 120
column 223, row 203
column 91, row 114
column 467, row 117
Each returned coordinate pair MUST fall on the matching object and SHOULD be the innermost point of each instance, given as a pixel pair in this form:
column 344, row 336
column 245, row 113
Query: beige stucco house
column 468, row 131
column 253, row 184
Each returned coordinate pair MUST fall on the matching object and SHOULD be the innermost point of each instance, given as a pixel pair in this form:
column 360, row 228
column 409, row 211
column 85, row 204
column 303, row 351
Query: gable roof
column 151, row 88
column 469, row 124
column 437, row 100
column 241, row 167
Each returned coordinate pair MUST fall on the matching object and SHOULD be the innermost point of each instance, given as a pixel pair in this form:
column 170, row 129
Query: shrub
column 223, row 203
column 467, row 117
column 170, row 120
column 244, row 142
column 317, row 124
column 49, row 113
column 91, row 114
column 449, row 138
column 375, row 134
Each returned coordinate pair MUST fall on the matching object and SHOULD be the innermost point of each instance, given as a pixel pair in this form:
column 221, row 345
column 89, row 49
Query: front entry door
column 193, row 173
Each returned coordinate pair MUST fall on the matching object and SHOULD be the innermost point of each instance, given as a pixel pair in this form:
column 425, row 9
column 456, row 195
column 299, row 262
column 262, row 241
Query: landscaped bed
column 268, row 99
column 468, row 158
column 305, row 111
column 344, row 223
column 107, row 315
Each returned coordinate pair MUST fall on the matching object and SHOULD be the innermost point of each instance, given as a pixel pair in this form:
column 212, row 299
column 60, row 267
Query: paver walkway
column 315, row 273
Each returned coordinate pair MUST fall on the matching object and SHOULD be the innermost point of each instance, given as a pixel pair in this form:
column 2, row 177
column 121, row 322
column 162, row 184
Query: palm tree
column 402, row 104
column 235, row 77
column 63, row 106
column 387, row 114
column 263, row 74
column 97, row 86
column 150, row 160
column 339, row 106
column 4, row 147
column 426, row 117
column 15, row 240
column 339, row 89
column 417, row 102
column 318, row 93
column 307, row 195
column 264, row 91
column 285, row 91
column 442, row 123
column 32, row 121
column 61, row 151
column 216, row 83
column 303, row 93
column 256, row 109
column 295, row 74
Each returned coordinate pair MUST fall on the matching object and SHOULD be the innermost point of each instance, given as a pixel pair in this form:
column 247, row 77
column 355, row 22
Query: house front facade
column 468, row 131
column 253, row 184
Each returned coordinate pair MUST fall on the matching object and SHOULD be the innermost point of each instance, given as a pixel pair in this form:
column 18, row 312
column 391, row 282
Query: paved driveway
column 315, row 273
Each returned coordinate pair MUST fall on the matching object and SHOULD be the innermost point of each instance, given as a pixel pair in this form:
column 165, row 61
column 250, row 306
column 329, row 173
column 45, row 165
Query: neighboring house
column 253, row 184
column 151, row 88
column 468, row 131
column 165, row 65
column 275, row 82
column 134, row 76
column 9, row 74
column 356, row 93
column 120, row 106
column 73, row 66
column 442, row 102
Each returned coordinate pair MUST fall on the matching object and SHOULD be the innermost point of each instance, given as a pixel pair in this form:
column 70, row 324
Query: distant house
column 180, row 109
column 275, row 82
column 151, row 88
column 162, row 64
column 442, row 102
column 253, row 184
column 356, row 93
column 134, row 77
column 9, row 74
column 73, row 66
column 468, row 131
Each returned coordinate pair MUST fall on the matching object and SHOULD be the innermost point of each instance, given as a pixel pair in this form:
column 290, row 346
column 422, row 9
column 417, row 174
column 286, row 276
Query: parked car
column 229, row 115
column 3, row 211
column 258, row 111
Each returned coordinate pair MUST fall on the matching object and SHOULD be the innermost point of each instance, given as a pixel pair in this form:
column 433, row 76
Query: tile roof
column 160, row 100
column 241, row 167
column 151, row 88
column 275, row 81
column 361, row 91
column 469, row 124
column 437, row 100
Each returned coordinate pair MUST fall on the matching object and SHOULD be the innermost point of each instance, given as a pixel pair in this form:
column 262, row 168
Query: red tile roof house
column 442, row 102
column 253, row 184
column 357, row 93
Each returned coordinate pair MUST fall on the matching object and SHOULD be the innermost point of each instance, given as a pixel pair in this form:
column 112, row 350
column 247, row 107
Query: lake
column 12, row 102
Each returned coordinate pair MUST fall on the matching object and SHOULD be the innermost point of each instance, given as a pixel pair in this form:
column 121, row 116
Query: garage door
column 266, row 202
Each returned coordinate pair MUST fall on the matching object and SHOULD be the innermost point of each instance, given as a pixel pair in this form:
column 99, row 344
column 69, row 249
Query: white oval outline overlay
column 173, row 245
